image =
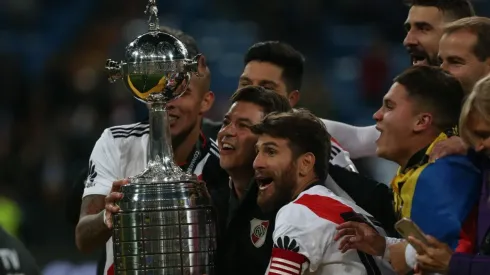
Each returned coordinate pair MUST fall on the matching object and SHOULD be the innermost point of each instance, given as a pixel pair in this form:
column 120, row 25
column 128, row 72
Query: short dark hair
column 436, row 91
column 455, row 9
column 305, row 133
column 269, row 100
column 479, row 26
column 280, row 54
column 185, row 38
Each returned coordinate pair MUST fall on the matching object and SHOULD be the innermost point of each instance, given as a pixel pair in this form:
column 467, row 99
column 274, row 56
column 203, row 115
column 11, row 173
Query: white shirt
column 121, row 152
column 303, row 238
column 359, row 141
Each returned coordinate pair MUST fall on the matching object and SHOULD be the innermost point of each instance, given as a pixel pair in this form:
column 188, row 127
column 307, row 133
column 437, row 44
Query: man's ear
column 306, row 164
column 207, row 102
column 422, row 122
column 293, row 98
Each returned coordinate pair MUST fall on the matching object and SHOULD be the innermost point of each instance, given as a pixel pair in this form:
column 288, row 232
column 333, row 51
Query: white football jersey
column 304, row 232
column 121, row 152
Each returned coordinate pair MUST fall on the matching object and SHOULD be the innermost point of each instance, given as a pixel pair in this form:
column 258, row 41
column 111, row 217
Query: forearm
column 358, row 141
column 91, row 232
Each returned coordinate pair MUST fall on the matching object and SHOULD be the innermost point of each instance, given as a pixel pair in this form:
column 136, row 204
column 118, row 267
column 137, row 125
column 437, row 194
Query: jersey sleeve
column 103, row 166
column 445, row 194
column 299, row 241
column 358, row 141
column 340, row 157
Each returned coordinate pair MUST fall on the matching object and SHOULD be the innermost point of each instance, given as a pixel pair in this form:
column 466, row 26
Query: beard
column 282, row 191
column 417, row 54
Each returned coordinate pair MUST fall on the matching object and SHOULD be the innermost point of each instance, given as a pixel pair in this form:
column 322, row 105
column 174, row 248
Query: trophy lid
column 155, row 46
column 157, row 67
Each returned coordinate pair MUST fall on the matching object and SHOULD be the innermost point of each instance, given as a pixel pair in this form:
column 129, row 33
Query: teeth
column 264, row 186
column 227, row 146
column 172, row 118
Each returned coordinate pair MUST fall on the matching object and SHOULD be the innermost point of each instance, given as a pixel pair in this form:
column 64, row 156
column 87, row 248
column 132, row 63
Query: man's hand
column 397, row 258
column 451, row 146
column 360, row 236
column 434, row 257
column 110, row 206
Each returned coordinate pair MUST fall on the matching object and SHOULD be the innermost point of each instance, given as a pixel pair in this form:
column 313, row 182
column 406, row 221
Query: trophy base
column 199, row 270
column 166, row 225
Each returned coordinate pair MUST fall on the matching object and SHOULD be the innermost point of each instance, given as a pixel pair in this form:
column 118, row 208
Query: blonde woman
column 474, row 126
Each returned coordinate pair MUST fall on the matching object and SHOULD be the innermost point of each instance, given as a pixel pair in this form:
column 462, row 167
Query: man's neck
column 240, row 179
column 304, row 183
column 419, row 144
column 185, row 148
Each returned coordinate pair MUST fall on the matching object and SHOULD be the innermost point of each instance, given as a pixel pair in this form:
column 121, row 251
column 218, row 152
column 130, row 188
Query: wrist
column 389, row 242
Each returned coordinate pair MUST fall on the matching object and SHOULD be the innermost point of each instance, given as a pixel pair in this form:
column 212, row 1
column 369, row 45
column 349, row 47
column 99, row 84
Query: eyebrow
column 266, row 144
column 242, row 119
column 454, row 57
column 387, row 101
column 245, row 120
column 418, row 24
column 261, row 81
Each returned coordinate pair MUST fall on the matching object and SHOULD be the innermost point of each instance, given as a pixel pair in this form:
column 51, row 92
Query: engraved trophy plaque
column 166, row 224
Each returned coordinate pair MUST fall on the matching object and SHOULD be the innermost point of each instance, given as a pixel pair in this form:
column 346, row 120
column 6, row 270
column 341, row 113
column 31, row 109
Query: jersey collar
column 422, row 157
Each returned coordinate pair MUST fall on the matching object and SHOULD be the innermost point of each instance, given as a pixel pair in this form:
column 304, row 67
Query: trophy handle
column 114, row 70
column 195, row 64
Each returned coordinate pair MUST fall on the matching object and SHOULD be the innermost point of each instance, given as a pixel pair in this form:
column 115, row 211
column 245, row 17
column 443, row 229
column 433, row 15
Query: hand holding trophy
column 166, row 223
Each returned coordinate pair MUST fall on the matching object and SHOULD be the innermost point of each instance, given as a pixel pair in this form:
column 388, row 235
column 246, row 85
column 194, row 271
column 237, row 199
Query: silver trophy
column 166, row 224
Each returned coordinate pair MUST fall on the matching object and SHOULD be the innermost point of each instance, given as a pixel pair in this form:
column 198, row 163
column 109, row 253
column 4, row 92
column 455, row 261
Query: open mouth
column 419, row 59
column 226, row 147
column 263, row 182
column 172, row 118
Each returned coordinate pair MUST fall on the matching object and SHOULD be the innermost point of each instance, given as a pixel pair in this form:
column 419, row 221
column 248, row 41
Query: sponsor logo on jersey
column 258, row 231
column 92, row 174
column 287, row 243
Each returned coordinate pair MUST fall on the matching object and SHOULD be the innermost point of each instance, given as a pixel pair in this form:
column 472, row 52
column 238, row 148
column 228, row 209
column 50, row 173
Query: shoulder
column 323, row 204
column 212, row 147
column 124, row 131
column 211, row 168
column 210, row 128
column 450, row 168
column 317, row 203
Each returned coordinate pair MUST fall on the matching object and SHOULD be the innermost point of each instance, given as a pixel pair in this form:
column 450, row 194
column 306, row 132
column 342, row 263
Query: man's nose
column 410, row 39
column 378, row 115
column 258, row 162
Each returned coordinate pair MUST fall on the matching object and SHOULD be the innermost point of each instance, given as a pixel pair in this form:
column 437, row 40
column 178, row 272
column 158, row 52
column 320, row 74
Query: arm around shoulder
column 358, row 141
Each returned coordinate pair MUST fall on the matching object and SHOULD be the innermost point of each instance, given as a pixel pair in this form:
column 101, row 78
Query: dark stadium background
column 56, row 100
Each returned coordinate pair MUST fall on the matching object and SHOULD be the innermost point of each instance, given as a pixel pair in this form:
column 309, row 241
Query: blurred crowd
column 56, row 99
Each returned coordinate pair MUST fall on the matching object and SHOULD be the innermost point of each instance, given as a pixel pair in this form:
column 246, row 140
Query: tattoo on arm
column 91, row 232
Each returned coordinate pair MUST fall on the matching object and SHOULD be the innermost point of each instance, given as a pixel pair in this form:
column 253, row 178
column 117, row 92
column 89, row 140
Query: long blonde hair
column 477, row 104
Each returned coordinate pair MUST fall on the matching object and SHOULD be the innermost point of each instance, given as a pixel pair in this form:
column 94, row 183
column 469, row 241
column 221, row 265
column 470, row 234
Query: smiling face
column 456, row 51
column 424, row 26
column 236, row 142
column 276, row 173
column 394, row 120
column 185, row 112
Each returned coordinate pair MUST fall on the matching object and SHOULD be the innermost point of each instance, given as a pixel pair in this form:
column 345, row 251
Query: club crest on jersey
column 258, row 231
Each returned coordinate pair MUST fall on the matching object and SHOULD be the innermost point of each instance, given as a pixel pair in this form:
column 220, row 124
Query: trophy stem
column 161, row 155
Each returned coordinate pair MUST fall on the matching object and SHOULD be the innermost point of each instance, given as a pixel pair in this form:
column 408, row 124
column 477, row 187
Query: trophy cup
column 166, row 224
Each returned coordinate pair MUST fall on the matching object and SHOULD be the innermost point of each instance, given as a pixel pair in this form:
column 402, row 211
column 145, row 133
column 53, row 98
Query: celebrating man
column 422, row 108
column 290, row 168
